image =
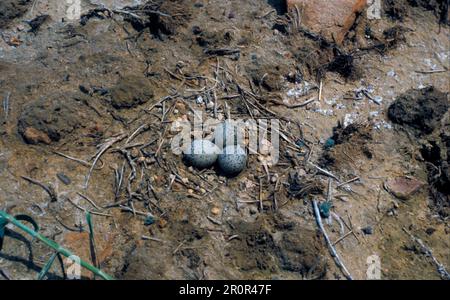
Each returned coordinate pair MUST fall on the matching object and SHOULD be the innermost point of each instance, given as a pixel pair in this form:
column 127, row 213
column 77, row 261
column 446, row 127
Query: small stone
column 367, row 230
column 274, row 178
column 215, row 211
column 64, row 179
column 232, row 160
column 403, row 187
column 202, row 154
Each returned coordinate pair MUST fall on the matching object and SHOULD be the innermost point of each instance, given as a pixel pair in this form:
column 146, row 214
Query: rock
column 202, row 154
column 34, row 136
column 232, row 160
column 329, row 18
column 367, row 230
column 64, row 179
column 403, row 187
column 130, row 92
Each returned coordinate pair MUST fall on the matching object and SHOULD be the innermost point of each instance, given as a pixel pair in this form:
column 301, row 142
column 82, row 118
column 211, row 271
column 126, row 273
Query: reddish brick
column 329, row 18
column 403, row 187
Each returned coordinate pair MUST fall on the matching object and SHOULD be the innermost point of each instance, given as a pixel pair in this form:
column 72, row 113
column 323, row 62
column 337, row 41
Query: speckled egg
column 226, row 134
column 232, row 160
column 202, row 154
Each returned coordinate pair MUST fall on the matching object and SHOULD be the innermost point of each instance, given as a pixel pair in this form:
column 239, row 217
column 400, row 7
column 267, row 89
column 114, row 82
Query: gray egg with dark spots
column 202, row 154
column 232, row 160
column 228, row 133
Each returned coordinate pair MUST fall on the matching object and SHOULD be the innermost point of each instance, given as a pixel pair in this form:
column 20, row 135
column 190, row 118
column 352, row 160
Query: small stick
column 89, row 200
column 83, row 162
column 6, row 104
column 294, row 105
column 440, row 267
column 431, row 71
column 267, row 14
column 330, row 181
column 150, row 238
column 86, row 210
column 232, row 237
column 104, row 147
column 126, row 208
column 159, row 103
column 325, row 172
column 339, row 220
column 343, row 237
column 119, row 179
column 5, row 274
column 48, row 188
column 214, row 220
column 248, row 202
column 348, row 181
column 275, row 200
column 136, row 132
column 333, row 252
column 260, row 196
column 178, row 248
column 320, row 90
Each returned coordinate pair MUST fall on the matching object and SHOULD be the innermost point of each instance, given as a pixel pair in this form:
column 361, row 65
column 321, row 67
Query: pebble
column 232, row 160
column 203, row 154
column 215, row 211
column 274, row 178
column 64, row 179
column 367, row 230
